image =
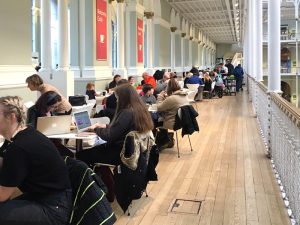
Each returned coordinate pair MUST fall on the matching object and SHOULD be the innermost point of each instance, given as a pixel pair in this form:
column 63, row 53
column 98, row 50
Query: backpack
column 219, row 80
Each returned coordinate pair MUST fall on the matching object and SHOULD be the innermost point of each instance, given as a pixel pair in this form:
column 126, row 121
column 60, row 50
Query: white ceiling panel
column 217, row 18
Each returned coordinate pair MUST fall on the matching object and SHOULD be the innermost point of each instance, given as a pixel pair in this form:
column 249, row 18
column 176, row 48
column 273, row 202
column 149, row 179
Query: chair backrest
column 186, row 119
column 91, row 101
column 88, row 107
column 213, row 84
column 101, row 120
column 181, row 83
column 99, row 108
column 88, row 196
column 28, row 104
column 192, row 86
column 191, row 95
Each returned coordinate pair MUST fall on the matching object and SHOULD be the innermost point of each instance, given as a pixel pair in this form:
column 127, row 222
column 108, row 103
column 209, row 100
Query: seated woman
column 131, row 80
column 32, row 164
column 168, row 104
column 114, row 82
column 131, row 114
column 46, row 106
column 208, row 81
column 36, row 83
column 110, row 104
column 90, row 91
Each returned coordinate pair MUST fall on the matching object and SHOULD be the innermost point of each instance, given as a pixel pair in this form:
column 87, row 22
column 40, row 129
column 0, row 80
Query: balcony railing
column 280, row 128
column 284, row 37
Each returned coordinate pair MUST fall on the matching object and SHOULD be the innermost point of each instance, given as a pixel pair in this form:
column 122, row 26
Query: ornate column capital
column 149, row 15
column 120, row 1
column 183, row 35
column 173, row 29
column 191, row 38
column 199, row 42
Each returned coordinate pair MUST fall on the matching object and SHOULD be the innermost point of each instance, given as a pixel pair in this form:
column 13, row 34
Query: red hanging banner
column 101, row 30
column 140, row 47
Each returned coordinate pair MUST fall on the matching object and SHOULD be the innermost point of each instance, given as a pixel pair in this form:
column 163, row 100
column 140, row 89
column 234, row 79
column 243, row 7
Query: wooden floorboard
column 228, row 171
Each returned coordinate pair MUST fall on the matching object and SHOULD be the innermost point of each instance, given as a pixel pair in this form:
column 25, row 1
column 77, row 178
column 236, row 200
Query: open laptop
column 82, row 120
column 54, row 124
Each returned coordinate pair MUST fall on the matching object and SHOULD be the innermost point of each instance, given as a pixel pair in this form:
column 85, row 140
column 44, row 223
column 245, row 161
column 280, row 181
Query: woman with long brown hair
column 131, row 115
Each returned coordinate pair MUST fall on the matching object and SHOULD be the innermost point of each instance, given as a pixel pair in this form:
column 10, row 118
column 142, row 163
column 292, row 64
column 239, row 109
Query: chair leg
column 190, row 143
column 196, row 106
column 128, row 212
column 177, row 144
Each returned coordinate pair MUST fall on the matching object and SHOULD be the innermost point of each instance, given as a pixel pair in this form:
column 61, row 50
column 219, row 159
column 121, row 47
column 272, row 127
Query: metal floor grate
column 185, row 206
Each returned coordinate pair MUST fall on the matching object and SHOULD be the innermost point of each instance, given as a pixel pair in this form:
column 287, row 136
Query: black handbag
column 77, row 100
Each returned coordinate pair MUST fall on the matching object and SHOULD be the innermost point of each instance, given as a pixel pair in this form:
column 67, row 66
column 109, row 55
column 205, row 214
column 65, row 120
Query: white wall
column 15, row 37
column 227, row 50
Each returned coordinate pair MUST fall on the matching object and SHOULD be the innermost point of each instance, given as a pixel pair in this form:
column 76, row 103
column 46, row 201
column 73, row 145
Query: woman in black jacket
column 131, row 114
column 31, row 164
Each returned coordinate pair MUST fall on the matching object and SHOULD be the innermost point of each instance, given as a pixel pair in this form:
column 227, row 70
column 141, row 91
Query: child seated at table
column 90, row 91
column 148, row 97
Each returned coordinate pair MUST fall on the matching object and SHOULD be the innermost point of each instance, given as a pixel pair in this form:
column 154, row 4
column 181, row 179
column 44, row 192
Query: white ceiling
column 215, row 18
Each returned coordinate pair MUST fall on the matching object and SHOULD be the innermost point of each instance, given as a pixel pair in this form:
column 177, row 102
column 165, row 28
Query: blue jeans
column 239, row 81
column 52, row 209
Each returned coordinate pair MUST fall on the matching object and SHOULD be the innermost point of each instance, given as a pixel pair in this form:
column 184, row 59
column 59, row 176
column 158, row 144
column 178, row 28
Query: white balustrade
column 280, row 128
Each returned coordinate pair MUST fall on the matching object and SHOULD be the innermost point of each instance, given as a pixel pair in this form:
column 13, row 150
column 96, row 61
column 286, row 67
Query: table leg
column 78, row 145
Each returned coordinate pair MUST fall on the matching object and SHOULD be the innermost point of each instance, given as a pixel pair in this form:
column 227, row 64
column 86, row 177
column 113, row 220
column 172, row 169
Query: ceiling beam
column 230, row 17
column 206, row 12
column 188, row 1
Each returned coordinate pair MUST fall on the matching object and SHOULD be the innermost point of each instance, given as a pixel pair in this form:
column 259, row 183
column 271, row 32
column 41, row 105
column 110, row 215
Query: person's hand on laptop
column 96, row 125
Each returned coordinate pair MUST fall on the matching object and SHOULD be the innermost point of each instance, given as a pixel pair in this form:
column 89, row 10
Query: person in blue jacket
column 239, row 75
column 195, row 79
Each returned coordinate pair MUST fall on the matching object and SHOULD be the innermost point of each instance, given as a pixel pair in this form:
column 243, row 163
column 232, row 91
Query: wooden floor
column 228, row 170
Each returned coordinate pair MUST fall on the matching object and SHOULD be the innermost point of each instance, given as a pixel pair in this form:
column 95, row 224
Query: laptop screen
column 82, row 120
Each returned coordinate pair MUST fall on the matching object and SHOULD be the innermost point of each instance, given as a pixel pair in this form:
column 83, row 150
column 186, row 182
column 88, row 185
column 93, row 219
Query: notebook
column 54, row 124
column 82, row 120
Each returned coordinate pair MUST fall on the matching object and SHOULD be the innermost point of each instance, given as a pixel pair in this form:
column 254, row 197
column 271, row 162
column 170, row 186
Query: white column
column 203, row 56
column 183, row 52
column 274, row 46
column 63, row 78
column 63, row 39
column 199, row 54
column 250, row 40
column 45, row 35
column 149, row 16
column 259, row 36
column 245, row 50
column 209, row 58
column 296, row 4
column 120, row 36
column 81, row 36
column 190, row 52
column 173, row 29
column 254, row 38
